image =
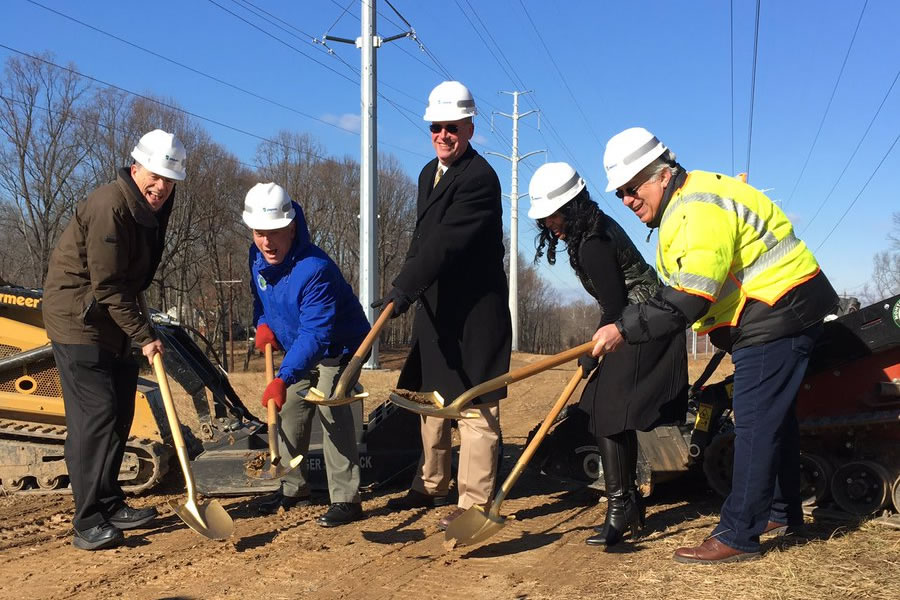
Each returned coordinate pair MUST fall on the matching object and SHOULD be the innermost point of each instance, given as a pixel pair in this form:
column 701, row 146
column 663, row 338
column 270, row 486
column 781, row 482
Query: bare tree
column 40, row 157
column 885, row 269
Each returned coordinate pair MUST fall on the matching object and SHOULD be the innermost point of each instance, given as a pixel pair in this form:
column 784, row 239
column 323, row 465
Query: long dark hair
column 582, row 216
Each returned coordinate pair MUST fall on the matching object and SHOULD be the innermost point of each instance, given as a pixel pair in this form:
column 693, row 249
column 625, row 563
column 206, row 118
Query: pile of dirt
column 540, row 554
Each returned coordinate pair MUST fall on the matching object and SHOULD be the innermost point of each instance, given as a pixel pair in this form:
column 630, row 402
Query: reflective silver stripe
column 465, row 103
column 630, row 158
column 767, row 259
column 564, row 187
column 741, row 210
column 706, row 285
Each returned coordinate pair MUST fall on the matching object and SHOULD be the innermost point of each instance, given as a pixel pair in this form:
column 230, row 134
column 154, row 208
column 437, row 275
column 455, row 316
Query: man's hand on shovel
column 264, row 336
column 401, row 302
column 275, row 392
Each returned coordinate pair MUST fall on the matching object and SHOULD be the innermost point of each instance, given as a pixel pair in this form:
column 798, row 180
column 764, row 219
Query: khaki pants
column 338, row 438
column 478, row 453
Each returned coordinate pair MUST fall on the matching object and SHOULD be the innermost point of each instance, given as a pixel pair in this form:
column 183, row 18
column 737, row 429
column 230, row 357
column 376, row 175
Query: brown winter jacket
column 107, row 255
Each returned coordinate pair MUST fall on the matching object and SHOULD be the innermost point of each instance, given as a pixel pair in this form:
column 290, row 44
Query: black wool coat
column 462, row 331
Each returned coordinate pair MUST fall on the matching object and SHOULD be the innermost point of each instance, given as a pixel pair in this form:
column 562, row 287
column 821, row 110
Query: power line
column 828, row 106
column 163, row 104
column 853, row 154
column 731, row 37
column 753, row 86
column 211, row 77
column 560, row 73
column 883, row 158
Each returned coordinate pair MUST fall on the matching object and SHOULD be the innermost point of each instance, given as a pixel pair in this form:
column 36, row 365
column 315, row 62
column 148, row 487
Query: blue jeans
column 766, row 481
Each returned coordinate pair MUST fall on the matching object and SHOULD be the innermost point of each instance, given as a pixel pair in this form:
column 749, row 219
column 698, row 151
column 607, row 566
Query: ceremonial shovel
column 475, row 525
column 272, row 467
column 432, row 404
column 210, row 519
column 340, row 395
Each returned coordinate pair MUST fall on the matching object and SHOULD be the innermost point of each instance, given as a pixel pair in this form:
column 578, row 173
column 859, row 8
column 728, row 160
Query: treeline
column 62, row 138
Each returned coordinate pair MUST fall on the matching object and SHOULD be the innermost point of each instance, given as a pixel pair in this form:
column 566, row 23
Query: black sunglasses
column 450, row 127
column 631, row 190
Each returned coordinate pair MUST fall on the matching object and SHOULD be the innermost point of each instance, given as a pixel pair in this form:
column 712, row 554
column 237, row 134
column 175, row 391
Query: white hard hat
column 449, row 101
column 161, row 153
column 627, row 153
column 551, row 186
column 267, row 206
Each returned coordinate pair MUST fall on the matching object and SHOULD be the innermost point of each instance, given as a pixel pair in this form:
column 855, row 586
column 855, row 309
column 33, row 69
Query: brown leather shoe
column 775, row 528
column 416, row 499
column 712, row 551
column 444, row 523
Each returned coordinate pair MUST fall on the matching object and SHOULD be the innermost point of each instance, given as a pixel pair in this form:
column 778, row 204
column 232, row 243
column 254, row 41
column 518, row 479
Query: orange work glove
column 276, row 392
column 265, row 336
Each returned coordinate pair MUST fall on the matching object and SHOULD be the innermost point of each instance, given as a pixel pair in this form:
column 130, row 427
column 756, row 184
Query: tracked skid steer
column 226, row 436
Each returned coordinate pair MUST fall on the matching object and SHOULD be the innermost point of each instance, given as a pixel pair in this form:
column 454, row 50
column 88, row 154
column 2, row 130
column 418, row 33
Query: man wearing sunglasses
column 733, row 267
column 462, row 329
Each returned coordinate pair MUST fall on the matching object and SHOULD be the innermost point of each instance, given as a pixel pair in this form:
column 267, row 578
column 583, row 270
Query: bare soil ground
column 540, row 554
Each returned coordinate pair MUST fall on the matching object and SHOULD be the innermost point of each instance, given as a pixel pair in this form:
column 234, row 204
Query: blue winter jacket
column 307, row 304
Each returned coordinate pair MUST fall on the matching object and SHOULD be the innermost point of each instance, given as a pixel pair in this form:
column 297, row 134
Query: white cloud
column 347, row 121
column 479, row 139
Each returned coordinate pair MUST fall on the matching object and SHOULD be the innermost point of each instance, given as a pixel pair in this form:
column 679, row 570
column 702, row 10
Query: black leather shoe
column 415, row 499
column 101, row 536
column 341, row 513
column 273, row 503
column 131, row 518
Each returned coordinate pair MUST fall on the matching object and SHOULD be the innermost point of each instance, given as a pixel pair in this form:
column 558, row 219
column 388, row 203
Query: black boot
column 622, row 510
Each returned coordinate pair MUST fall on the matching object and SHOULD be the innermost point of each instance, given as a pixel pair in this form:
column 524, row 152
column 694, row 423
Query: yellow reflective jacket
column 724, row 240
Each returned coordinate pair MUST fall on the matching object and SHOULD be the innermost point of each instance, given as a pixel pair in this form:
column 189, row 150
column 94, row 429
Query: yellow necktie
column 437, row 176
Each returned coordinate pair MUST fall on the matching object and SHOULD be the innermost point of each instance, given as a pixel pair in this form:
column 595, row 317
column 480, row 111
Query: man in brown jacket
column 105, row 257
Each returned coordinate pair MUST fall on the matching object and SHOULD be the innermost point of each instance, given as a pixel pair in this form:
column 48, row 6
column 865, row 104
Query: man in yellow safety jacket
column 733, row 267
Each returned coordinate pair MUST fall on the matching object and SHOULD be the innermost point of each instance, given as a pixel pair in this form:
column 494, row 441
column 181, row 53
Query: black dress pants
column 98, row 393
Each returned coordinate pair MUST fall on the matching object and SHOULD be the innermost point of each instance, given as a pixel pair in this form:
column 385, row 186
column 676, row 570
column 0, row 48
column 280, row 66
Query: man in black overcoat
column 462, row 329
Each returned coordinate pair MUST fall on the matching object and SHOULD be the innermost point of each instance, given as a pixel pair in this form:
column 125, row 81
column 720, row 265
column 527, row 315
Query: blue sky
column 594, row 68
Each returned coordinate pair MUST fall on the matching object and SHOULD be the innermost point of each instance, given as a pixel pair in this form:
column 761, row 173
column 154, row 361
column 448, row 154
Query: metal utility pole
column 368, row 42
column 514, row 213
column 228, row 357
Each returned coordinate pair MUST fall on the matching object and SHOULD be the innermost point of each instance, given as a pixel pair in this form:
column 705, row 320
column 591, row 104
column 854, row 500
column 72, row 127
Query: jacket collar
column 674, row 185
column 453, row 171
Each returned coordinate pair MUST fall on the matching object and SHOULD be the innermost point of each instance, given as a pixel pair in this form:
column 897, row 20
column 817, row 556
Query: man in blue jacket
column 302, row 303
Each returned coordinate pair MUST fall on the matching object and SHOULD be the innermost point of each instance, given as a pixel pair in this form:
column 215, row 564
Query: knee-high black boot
column 622, row 511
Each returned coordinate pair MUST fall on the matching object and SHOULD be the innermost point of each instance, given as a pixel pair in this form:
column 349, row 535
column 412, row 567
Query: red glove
column 265, row 336
column 276, row 392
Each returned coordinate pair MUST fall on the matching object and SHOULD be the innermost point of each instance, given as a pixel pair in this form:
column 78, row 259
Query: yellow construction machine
column 227, row 437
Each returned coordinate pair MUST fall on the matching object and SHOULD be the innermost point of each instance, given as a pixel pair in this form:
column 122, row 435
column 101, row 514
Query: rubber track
column 143, row 450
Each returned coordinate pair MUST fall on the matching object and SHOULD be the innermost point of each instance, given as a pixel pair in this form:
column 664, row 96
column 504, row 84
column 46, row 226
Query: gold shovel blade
column 430, row 404
column 317, row 397
column 207, row 519
column 474, row 526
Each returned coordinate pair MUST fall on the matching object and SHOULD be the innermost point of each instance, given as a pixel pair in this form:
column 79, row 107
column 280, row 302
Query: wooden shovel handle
column 537, row 439
column 271, row 414
column 174, row 425
column 383, row 318
column 522, row 372
column 351, row 372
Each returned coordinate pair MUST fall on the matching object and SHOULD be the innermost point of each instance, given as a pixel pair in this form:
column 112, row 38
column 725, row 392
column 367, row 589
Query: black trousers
column 98, row 393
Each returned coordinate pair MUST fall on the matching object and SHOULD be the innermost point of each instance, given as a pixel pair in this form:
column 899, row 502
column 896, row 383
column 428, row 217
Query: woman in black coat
column 638, row 388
